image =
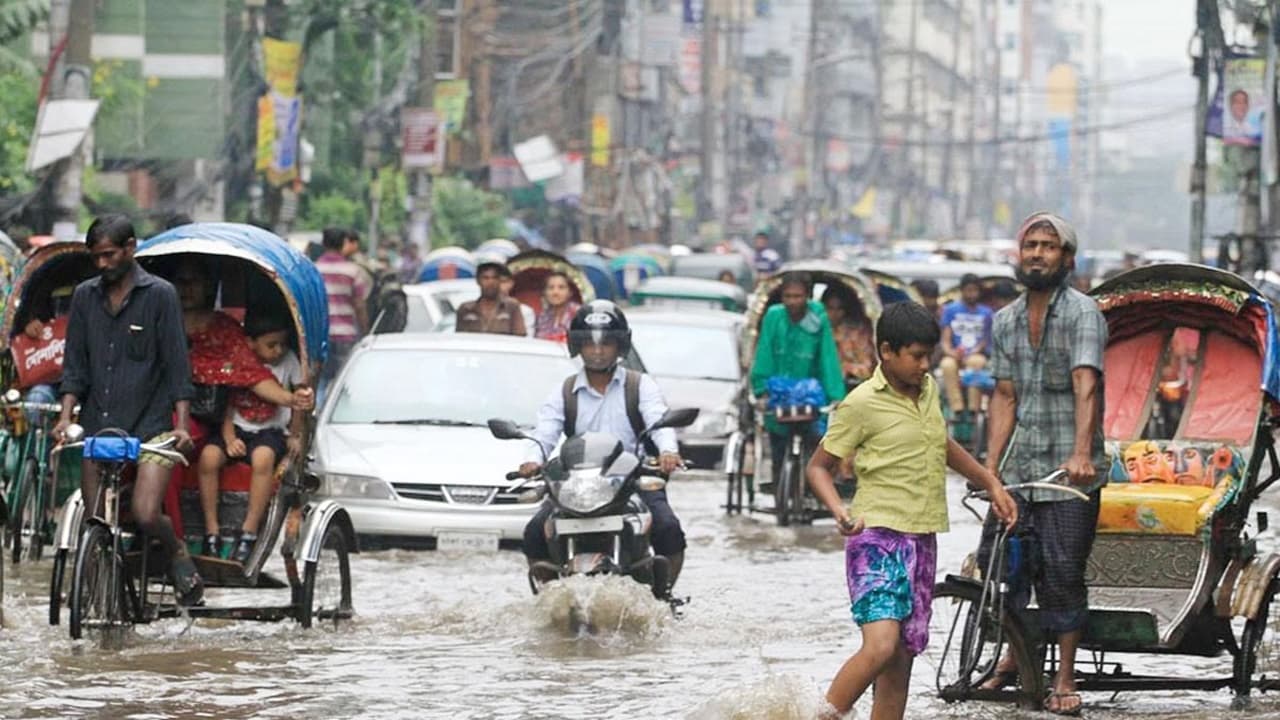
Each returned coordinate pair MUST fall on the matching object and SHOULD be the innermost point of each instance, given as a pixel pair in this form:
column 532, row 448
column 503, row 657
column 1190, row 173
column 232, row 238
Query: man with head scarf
column 1046, row 414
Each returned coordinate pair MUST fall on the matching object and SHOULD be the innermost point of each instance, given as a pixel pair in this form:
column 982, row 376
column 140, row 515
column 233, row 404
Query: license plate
column 467, row 542
column 580, row 526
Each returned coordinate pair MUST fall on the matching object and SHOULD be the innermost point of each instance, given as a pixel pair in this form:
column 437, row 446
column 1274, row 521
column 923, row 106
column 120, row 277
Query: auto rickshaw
column 689, row 293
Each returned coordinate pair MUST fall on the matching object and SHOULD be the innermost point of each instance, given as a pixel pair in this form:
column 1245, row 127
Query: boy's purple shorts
column 891, row 576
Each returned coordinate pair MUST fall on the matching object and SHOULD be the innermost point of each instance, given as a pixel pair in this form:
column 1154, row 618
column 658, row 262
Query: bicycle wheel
column 326, row 582
column 55, row 586
column 97, row 586
column 799, row 506
column 965, row 646
column 782, row 493
column 27, row 523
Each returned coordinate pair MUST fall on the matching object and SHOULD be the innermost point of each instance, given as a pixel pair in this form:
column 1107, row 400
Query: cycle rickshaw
column 744, row 454
column 1176, row 567
column 115, row 579
column 529, row 271
column 36, row 485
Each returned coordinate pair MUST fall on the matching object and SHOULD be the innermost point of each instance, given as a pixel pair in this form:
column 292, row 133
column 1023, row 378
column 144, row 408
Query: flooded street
column 446, row 636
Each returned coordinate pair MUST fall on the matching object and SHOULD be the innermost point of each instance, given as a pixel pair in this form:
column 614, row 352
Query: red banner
column 39, row 360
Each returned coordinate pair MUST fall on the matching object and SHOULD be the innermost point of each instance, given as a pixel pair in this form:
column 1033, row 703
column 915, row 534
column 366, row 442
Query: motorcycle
column 599, row 524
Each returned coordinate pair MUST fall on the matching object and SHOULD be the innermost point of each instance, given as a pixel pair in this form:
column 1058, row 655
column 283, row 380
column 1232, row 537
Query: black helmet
column 596, row 321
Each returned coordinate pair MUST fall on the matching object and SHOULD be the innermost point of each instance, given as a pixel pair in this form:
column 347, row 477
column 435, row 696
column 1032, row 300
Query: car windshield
column 687, row 351
column 446, row 387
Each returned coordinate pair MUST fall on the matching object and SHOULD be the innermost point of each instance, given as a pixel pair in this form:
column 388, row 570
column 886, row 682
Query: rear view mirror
column 677, row 418
column 505, row 429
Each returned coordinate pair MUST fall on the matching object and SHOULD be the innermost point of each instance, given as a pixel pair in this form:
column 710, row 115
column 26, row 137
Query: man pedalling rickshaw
column 32, row 336
column 1192, row 370
column 253, row 268
column 744, row 454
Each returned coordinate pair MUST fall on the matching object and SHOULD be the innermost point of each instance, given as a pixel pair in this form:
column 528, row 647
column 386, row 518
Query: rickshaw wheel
column 782, row 492
column 55, row 586
column 1259, row 654
column 326, row 582
column 963, row 655
column 94, row 597
column 27, row 524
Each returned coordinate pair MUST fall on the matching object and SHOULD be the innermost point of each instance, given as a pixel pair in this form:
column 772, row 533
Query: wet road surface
column 451, row 636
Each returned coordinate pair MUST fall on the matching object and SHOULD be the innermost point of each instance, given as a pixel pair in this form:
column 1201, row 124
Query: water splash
column 774, row 697
column 601, row 607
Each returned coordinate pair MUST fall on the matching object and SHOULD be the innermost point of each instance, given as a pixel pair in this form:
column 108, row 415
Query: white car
column 402, row 440
column 432, row 305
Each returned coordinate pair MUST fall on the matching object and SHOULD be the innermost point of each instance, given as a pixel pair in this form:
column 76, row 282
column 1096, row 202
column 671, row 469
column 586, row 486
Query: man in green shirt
column 795, row 342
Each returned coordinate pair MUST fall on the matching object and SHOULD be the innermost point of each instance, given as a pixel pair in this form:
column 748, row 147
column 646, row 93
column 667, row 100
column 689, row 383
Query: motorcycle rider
column 606, row 397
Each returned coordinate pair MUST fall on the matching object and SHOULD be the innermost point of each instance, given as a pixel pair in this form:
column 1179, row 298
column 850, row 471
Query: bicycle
column 32, row 490
column 104, row 594
column 989, row 629
column 791, row 499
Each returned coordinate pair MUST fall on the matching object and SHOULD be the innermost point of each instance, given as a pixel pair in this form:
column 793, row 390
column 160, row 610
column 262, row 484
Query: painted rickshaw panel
column 299, row 282
column 529, row 271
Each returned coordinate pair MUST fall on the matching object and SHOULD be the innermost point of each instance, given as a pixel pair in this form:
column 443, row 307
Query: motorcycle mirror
column 676, row 418
column 505, row 429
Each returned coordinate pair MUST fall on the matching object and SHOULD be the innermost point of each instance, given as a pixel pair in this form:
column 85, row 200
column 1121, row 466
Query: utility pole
column 907, row 168
column 420, row 216
column 948, row 158
column 1201, row 68
column 72, row 19
column 812, row 195
column 373, row 142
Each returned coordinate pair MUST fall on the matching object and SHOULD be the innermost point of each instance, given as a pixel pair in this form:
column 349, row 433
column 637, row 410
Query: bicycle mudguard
column 112, row 449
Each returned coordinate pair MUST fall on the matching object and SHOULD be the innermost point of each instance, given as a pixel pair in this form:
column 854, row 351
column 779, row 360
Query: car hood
column 413, row 454
column 705, row 395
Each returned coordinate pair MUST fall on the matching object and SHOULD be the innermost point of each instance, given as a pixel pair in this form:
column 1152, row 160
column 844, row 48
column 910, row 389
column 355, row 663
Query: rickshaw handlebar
column 164, row 449
column 38, row 406
column 1054, row 482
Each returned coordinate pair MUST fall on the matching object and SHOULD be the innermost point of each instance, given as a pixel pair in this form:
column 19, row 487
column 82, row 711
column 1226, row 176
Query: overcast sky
column 1148, row 30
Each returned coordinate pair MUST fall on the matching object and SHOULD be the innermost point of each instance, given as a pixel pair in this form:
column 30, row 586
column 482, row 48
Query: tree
column 465, row 215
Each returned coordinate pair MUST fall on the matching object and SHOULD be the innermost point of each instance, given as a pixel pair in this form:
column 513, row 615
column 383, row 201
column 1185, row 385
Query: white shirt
column 605, row 413
column 288, row 372
column 530, row 319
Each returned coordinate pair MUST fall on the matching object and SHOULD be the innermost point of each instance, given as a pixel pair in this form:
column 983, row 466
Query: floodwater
column 448, row 636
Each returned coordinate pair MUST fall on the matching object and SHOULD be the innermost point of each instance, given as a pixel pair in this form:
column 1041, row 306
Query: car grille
column 456, row 494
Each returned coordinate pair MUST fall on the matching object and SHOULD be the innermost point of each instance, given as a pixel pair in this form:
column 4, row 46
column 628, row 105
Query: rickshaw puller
column 126, row 363
column 1048, row 408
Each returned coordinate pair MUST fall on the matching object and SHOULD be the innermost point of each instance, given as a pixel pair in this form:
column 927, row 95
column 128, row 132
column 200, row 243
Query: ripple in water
column 606, row 608
column 774, row 697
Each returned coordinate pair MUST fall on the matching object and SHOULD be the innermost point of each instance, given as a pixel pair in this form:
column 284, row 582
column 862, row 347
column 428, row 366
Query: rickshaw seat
column 1167, row 487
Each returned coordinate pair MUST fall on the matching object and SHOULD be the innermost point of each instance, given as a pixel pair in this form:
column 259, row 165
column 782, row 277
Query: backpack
column 631, row 393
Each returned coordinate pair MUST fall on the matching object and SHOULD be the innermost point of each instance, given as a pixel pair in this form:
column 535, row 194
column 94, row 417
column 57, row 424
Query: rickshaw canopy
column 597, row 271
column 71, row 255
column 447, row 263
column 631, row 268
column 498, row 246
column 529, row 271
column 293, row 274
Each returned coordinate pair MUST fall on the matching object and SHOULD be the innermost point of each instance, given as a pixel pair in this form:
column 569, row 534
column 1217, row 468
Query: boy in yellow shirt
column 892, row 427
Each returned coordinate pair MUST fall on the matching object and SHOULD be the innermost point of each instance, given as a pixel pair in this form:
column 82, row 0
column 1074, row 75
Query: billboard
column 1243, row 105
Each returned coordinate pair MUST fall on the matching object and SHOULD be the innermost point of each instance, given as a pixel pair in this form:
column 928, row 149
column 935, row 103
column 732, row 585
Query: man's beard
column 114, row 275
column 1038, row 280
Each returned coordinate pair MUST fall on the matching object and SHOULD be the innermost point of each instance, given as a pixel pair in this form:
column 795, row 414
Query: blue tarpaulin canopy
column 291, row 271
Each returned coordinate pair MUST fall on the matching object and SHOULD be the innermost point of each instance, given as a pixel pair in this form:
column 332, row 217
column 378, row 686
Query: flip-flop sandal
column 1060, row 697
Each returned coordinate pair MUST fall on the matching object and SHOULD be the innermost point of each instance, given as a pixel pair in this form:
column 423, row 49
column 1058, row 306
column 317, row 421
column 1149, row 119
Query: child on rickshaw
column 253, row 431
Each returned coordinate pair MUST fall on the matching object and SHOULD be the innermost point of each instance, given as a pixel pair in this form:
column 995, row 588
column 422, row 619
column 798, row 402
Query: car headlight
column 586, row 491
column 370, row 488
column 712, row 423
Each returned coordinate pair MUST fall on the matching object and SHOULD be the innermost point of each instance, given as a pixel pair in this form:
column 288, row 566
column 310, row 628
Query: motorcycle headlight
column 370, row 488
column 711, row 423
column 585, row 490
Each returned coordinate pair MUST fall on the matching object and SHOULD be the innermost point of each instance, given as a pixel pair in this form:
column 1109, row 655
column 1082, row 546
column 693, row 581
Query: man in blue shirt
column 966, row 340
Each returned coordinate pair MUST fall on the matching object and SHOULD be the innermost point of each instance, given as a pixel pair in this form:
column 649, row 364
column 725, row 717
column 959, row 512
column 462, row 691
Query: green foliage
column 17, row 17
column 115, row 88
column 332, row 209
column 17, row 120
column 465, row 215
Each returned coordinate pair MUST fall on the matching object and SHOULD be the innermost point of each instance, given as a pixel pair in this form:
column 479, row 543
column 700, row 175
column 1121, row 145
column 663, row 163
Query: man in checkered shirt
column 1047, row 414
